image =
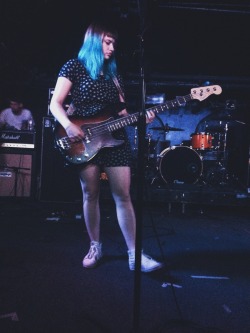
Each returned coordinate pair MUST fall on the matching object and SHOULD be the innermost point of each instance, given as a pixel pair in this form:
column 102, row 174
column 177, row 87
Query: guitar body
column 97, row 138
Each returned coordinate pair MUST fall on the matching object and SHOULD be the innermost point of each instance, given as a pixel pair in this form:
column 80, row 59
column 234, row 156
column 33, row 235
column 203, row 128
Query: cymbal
column 227, row 119
column 166, row 129
column 216, row 130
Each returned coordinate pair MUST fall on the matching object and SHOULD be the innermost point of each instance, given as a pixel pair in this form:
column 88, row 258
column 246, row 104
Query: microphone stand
column 140, row 195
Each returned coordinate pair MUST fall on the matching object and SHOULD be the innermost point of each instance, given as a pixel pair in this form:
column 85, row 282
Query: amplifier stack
column 17, row 163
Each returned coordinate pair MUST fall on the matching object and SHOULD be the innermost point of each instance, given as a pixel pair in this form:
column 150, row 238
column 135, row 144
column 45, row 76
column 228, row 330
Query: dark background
column 185, row 44
column 43, row 285
column 181, row 38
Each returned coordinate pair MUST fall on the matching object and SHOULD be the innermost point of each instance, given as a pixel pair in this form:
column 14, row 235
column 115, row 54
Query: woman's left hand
column 150, row 117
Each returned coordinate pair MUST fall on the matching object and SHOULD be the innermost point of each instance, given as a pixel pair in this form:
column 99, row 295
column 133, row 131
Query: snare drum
column 179, row 164
column 201, row 140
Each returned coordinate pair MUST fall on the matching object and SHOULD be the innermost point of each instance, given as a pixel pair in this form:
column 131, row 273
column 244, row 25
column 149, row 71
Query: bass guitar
column 98, row 131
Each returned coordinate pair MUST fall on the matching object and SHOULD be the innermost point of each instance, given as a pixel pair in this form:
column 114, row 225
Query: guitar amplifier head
column 17, row 139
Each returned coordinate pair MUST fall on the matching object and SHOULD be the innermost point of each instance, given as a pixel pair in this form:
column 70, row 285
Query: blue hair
column 91, row 53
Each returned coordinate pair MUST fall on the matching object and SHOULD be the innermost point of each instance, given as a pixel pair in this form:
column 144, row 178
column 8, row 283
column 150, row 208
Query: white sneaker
column 148, row 264
column 94, row 255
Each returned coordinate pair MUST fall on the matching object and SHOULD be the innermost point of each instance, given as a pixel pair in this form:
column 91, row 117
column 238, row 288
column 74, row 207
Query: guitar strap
column 116, row 82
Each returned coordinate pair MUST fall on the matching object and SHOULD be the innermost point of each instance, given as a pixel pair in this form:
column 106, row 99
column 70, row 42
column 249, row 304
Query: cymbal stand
column 149, row 139
column 224, row 159
column 136, row 138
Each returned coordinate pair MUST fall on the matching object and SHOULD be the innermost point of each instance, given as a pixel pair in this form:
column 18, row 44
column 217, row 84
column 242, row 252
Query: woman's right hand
column 74, row 132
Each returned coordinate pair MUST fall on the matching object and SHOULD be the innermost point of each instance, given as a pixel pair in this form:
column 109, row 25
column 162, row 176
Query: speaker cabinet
column 248, row 172
column 58, row 183
column 238, row 153
column 16, row 173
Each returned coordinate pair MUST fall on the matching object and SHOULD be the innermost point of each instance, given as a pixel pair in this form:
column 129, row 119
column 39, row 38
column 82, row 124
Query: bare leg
column 90, row 183
column 119, row 179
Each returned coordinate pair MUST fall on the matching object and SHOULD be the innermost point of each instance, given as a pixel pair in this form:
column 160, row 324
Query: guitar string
column 99, row 129
column 102, row 128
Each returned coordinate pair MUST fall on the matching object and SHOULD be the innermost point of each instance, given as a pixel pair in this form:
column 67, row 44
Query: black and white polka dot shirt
column 92, row 98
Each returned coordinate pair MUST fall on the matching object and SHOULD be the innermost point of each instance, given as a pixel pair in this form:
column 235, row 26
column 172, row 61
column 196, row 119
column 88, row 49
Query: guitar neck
column 133, row 118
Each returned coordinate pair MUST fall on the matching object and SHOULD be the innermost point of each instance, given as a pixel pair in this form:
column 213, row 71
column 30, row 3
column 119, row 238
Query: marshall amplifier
column 17, row 163
column 17, row 139
column 17, row 173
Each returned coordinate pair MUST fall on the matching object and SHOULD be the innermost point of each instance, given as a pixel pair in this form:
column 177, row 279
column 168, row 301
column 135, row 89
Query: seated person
column 16, row 117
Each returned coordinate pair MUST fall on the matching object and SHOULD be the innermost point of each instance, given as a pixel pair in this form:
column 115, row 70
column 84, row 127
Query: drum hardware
column 202, row 159
column 212, row 145
column 218, row 141
column 184, row 165
column 224, row 159
column 149, row 143
column 214, row 174
column 155, row 147
column 136, row 137
column 215, row 159
column 166, row 128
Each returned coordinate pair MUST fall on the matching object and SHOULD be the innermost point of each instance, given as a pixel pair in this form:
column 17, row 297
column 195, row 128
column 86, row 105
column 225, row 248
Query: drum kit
column 202, row 159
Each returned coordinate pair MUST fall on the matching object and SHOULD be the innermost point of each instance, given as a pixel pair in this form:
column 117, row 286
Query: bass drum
column 180, row 164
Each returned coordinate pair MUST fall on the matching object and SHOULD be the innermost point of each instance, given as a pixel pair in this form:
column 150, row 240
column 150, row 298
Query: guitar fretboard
column 133, row 118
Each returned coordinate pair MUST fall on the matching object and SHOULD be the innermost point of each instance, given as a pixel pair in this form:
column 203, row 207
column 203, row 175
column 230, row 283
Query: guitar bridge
column 63, row 143
column 86, row 139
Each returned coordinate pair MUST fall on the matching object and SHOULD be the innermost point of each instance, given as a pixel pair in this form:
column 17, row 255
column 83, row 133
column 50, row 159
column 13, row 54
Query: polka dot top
column 92, row 98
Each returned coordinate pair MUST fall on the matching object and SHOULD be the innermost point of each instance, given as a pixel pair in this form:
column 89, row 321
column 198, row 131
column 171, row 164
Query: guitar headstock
column 202, row 93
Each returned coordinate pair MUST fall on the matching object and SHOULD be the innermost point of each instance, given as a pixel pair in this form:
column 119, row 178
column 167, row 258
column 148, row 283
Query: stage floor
column 203, row 287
